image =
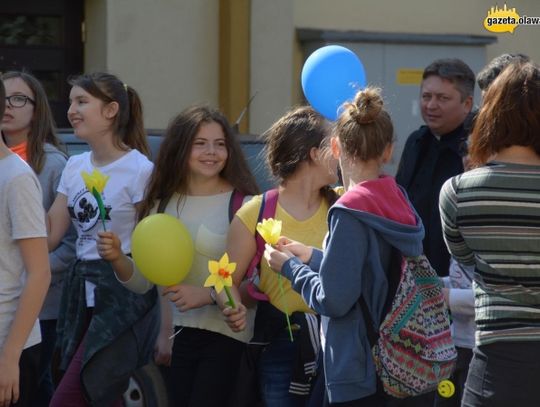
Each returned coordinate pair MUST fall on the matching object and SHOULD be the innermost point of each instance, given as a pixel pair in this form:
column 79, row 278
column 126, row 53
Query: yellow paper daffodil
column 95, row 183
column 220, row 276
column 270, row 230
column 220, row 273
column 96, row 180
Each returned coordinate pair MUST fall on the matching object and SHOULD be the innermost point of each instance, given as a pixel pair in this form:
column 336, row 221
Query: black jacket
column 426, row 163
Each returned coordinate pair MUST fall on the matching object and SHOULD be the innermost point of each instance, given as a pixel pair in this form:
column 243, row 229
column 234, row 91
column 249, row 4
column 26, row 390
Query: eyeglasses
column 19, row 100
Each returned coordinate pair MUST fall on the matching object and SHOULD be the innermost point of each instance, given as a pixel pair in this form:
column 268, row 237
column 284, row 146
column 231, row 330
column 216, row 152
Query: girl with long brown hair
column 297, row 156
column 199, row 167
column 104, row 331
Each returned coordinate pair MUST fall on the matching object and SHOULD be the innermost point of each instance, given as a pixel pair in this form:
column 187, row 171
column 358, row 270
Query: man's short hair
column 2, row 98
column 488, row 74
column 455, row 71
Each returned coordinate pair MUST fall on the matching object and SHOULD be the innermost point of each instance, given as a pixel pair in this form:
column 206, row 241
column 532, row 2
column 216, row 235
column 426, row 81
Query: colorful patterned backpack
column 413, row 349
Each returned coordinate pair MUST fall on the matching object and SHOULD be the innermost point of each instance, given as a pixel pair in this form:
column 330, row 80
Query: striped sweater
column 491, row 219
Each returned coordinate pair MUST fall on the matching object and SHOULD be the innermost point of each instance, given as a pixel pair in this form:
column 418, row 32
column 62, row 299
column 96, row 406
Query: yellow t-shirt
column 311, row 232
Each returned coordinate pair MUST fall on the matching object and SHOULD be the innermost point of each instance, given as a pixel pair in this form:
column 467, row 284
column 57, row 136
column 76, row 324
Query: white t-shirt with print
column 21, row 217
column 125, row 187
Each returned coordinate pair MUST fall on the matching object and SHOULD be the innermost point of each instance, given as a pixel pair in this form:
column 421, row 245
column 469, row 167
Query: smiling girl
column 105, row 332
column 201, row 151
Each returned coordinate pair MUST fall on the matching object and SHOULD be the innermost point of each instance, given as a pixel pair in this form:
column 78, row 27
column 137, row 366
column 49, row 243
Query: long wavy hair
column 171, row 171
column 42, row 127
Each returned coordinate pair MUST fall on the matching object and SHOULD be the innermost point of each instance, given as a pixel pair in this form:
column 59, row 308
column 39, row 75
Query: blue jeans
column 275, row 369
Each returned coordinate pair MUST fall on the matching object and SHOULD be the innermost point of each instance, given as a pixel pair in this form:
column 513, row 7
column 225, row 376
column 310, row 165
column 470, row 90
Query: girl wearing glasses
column 105, row 332
column 24, row 275
column 28, row 130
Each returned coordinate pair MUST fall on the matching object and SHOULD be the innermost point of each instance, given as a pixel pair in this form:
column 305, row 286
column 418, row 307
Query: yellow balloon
column 162, row 249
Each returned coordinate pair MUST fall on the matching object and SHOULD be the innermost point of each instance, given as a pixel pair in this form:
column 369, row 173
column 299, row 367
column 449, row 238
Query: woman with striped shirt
column 491, row 219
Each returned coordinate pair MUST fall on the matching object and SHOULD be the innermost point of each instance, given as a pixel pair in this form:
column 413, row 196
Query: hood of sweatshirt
column 50, row 149
column 383, row 205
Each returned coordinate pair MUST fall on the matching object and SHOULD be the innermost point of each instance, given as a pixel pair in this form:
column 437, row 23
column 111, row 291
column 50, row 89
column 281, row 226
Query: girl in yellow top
column 297, row 158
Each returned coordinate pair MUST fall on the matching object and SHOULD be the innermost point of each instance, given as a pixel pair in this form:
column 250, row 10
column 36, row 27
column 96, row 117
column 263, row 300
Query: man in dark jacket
column 433, row 153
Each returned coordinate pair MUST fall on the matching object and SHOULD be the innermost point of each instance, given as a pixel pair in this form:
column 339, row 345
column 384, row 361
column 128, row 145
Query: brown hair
column 128, row 126
column 289, row 142
column 364, row 128
column 510, row 114
column 42, row 127
column 171, row 171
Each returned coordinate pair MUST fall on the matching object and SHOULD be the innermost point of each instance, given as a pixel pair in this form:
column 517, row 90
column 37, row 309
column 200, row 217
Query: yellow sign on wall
column 409, row 76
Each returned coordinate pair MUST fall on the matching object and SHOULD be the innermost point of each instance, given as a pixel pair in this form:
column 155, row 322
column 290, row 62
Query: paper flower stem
column 230, row 297
column 280, row 282
column 101, row 207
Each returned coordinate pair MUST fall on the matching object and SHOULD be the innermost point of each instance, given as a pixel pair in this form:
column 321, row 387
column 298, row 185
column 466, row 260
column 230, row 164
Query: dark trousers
column 203, row 368
column 48, row 340
column 504, row 374
column 28, row 375
column 69, row 391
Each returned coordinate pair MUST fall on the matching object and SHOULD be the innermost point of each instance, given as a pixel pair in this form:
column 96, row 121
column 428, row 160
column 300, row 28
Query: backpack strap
column 267, row 210
column 395, row 268
column 236, row 201
column 163, row 204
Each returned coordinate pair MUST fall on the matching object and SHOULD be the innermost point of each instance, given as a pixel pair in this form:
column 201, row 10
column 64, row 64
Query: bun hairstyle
column 364, row 128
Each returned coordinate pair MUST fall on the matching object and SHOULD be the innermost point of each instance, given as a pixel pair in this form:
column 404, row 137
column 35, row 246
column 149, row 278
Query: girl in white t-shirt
column 24, row 275
column 201, row 151
column 105, row 332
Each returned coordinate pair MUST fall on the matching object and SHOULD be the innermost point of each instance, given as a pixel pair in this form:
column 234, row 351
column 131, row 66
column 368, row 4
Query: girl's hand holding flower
column 276, row 257
column 109, row 246
column 235, row 317
column 297, row 249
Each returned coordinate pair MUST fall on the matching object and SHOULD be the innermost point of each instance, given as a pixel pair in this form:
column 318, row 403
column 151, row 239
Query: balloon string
column 176, row 333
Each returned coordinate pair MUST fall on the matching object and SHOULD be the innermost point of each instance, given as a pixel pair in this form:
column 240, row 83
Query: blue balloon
column 331, row 76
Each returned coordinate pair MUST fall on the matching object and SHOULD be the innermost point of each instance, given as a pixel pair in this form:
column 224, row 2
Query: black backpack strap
column 393, row 274
column 163, row 204
column 371, row 334
column 236, row 201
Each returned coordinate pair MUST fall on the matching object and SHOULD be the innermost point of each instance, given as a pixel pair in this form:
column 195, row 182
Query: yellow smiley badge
column 446, row 388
